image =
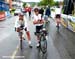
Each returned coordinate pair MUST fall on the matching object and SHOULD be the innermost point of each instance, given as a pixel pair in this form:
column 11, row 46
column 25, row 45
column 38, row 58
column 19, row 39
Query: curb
column 4, row 18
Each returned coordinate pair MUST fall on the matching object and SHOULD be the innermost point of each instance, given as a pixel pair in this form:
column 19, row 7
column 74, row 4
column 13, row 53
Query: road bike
column 42, row 42
column 20, row 31
column 42, row 33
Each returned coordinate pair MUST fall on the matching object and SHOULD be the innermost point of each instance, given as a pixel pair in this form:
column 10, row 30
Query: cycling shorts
column 58, row 16
column 38, row 28
column 20, row 33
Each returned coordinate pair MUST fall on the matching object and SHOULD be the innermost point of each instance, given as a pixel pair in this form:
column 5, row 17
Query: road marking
column 14, row 53
column 13, row 56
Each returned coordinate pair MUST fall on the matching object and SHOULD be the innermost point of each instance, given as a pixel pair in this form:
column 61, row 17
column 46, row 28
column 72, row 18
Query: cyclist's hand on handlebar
column 35, row 22
column 41, row 21
column 38, row 22
column 18, row 29
column 15, row 29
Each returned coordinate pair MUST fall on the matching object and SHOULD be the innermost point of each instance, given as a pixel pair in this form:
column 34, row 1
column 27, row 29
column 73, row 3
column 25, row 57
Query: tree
column 24, row 4
column 33, row 4
column 42, row 3
column 46, row 2
column 74, row 7
column 56, row 3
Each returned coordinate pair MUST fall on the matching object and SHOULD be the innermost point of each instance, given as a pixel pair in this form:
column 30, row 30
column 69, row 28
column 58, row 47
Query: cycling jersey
column 20, row 23
column 36, row 18
column 58, row 11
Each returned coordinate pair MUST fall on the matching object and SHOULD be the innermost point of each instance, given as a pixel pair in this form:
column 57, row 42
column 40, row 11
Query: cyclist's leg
column 29, row 37
column 37, row 36
column 58, row 23
column 38, row 28
column 58, row 18
column 37, row 31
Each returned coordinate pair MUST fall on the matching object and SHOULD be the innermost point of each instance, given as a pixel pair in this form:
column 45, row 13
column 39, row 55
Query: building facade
column 9, row 2
column 2, row 0
column 3, row 6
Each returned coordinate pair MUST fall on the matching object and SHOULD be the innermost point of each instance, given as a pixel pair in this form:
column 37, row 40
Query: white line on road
column 14, row 53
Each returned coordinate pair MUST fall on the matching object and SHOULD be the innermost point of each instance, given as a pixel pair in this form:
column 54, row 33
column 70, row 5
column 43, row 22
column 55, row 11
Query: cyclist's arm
column 25, row 25
column 16, row 24
column 38, row 20
column 34, row 19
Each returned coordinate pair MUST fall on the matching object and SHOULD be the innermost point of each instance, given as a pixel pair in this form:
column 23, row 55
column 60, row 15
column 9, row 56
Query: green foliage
column 62, row 10
column 56, row 3
column 24, row 4
column 33, row 4
column 46, row 2
column 13, row 9
column 53, row 10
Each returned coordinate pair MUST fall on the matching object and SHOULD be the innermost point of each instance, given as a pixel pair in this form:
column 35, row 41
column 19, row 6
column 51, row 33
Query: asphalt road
column 60, row 45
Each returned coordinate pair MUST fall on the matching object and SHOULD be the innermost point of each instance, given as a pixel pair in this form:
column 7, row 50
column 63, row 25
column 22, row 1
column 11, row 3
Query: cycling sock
column 29, row 42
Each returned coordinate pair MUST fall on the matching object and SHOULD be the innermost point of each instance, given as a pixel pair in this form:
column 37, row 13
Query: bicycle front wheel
column 43, row 46
column 21, row 44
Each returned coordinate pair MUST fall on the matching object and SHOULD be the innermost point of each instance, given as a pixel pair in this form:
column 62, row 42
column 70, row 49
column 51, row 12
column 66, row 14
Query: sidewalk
column 4, row 18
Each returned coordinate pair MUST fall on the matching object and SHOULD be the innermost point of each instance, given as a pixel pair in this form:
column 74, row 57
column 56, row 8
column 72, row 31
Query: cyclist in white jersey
column 38, row 21
column 20, row 25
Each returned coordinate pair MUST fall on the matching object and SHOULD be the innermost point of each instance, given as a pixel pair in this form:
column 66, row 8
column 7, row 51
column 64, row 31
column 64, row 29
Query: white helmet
column 21, row 14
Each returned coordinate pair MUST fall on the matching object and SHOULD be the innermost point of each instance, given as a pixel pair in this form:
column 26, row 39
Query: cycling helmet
column 21, row 14
column 36, row 9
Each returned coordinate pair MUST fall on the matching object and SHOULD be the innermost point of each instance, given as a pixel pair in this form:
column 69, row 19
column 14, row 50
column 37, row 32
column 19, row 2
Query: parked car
column 17, row 11
column 23, row 10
